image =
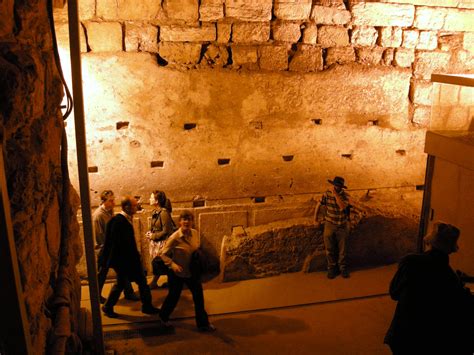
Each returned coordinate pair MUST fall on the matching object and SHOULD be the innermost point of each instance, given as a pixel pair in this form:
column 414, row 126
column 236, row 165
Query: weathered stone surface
column 181, row 53
column 310, row 33
column 420, row 92
column 390, row 37
column 388, row 55
column 450, row 42
column 364, row 36
column 292, row 9
column 459, row 20
column 468, row 42
column 410, row 38
column 371, row 56
column 286, row 31
column 127, row 10
column 445, row 3
column 428, row 40
column 307, row 58
column 338, row 4
column 223, row 32
column 104, row 36
column 211, row 10
column 247, row 32
column 244, row 54
column 280, row 213
column 315, row 262
column 340, row 55
column 141, row 37
column 274, row 57
column 216, row 55
column 333, row 36
column 429, row 62
column 429, row 18
column 422, row 116
column 174, row 33
column 7, row 23
column 378, row 14
column 86, row 9
column 181, row 10
column 330, row 15
column 404, row 57
column 249, row 10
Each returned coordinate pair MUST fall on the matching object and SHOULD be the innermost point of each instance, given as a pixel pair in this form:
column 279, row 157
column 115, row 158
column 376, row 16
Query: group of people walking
column 172, row 248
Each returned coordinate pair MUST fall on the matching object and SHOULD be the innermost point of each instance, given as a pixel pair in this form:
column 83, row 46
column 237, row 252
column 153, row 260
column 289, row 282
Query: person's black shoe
column 102, row 299
column 207, row 328
column 345, row 274
column 150, row 310
column 332, row 274
column 132, row 297
column 109, row 312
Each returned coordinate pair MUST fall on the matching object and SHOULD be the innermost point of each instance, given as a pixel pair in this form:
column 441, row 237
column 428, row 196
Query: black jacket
column 434, row 313
column 120, row 248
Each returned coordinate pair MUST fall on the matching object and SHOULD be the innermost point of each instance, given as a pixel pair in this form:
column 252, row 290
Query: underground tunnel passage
column 240, row 112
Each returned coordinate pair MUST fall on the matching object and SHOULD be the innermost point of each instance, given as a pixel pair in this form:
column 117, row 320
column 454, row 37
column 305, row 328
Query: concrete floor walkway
column 294, row 313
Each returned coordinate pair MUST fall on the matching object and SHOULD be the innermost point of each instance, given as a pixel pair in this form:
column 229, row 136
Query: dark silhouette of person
column 121, row 254
column 435, row 312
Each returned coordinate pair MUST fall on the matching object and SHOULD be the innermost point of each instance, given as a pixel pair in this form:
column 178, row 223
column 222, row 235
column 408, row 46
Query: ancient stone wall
column 32, row 128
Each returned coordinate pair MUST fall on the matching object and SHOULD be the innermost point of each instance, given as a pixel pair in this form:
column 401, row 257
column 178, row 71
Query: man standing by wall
column 336, row 227
column 101, row 216
column 120, row 253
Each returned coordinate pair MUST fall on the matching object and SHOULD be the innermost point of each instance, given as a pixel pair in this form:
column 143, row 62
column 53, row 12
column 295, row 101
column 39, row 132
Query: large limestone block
column 276, row 213
column 244, row 55
column 333, row 36
column 307, row 58
column 340, row 55
column 459, row 20
column 404, row 57
column 428, row 40
column 422, row 116
column 211, row 10
column 310, row 33
column 371, row 56
column 104, row 36
column 86, row 9
column 378, row 14
column 410, row 38
column 141, row 37
column 175, row 33
column 330, row 15
column 427, row 63
column 338, row 4
column 467, row 4
column 248, row 32
column 468, row 42
column 8, row 20
column 274, row 57
column 420, row 92
column 429, row 18
column 292, row 9
column 390, row 37
column 286, row 31
column 364, row 36
column 224, row 30
column 249, row 10
column 182, row 10
column 181, row 53
column 128, row 10
column 62, row 36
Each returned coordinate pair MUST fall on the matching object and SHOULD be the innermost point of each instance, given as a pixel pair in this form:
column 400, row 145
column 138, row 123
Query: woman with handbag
column 177, row 254
column 162, row 226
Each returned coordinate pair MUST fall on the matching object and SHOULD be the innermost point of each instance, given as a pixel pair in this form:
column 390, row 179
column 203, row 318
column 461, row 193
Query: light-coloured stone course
column 422, row 116
column 428, row 40
column 428, row 62
column 307, row 58
column 364, row 36
column 390, row 37
column 310, row 33
column 249, row 10
column 176, row 33
column 127, row 10
column 86, row 9
column 429, row 18
column 468, row 42
column 340, row 55
column 333, row 36
column 211, row 10
column 181, row 10
column 330, row 15
column 139, row 37
column 379, row 14
column 388, row 55
column 180, row 53
column 421, row 92
column 248, row 32
column 410, row 38
column 104, row 36
column 286, row 31
column 274, row 57
column 370, row 56
column 292, row 9
column 459, row 20
column 244, row 54
column 404, row 57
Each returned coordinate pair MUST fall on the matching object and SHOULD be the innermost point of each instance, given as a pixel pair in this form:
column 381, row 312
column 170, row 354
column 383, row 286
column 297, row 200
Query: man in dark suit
column 121, row 254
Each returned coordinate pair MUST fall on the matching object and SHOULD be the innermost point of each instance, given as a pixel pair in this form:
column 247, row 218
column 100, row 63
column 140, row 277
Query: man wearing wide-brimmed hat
column 435, row 312
column 336, row 227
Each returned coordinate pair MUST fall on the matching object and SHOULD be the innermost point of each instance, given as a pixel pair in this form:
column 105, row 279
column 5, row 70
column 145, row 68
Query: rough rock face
column 31, row 123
